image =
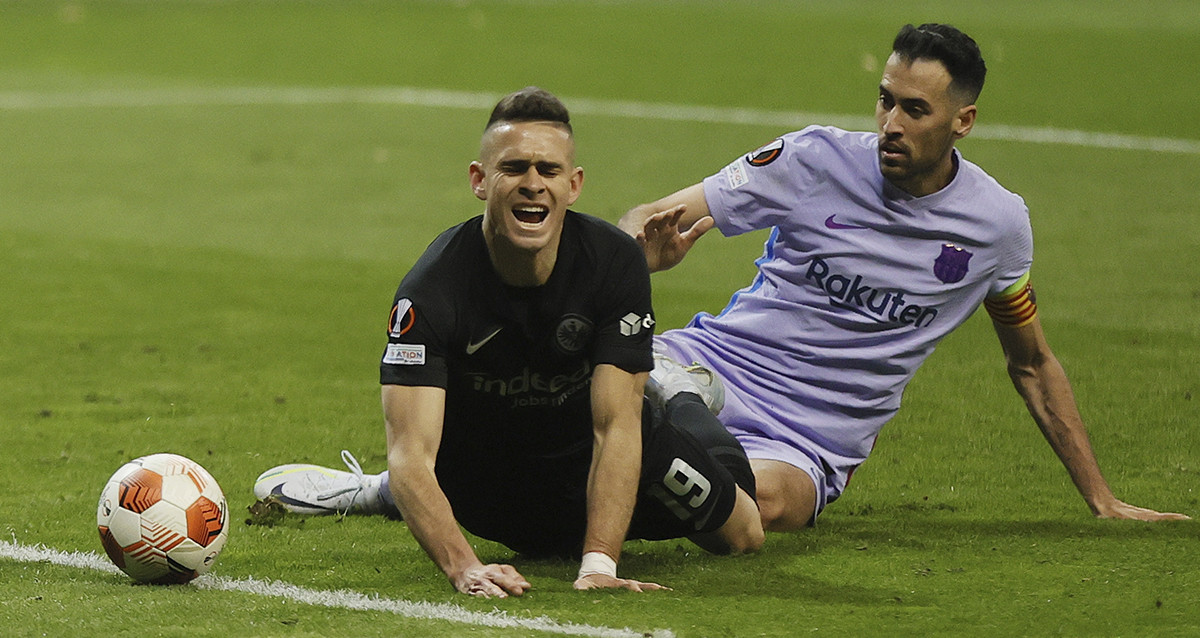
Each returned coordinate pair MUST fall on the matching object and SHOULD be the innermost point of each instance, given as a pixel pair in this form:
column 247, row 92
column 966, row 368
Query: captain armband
column 1016, row 307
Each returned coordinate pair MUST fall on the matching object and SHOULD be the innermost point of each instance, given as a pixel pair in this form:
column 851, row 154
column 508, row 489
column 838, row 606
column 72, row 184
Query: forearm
column 413, row 418
column 1048, row 395
column 634, row 220
column 616, row 458
column 612, row 489
column 430, row 518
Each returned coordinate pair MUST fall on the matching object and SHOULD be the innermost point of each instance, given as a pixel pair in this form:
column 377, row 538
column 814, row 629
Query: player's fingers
column 1151, row 515
column 513, row 582
column 486, row 589
column 656, row 226
column 1132, row 512
column 507, row 579
column 651, row 587
column 702, row 225
column 676, row 213
column 666, row 218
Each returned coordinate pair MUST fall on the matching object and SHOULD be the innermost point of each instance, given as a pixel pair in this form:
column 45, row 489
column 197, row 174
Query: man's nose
column 891, row 122
column 532, row 182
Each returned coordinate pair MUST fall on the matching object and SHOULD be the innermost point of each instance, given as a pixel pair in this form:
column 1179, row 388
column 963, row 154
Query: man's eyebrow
column 524, row 163
column 911, row 101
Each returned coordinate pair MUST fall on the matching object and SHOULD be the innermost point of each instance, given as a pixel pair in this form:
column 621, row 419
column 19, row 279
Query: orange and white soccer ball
column 162, row 519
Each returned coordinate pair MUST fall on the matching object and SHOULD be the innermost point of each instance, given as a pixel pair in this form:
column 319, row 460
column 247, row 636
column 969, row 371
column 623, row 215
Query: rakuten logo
column 882, row 305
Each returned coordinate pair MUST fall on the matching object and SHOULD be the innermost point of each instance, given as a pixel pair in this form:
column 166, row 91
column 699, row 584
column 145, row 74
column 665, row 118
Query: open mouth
column 530, row 214
column 891, row 152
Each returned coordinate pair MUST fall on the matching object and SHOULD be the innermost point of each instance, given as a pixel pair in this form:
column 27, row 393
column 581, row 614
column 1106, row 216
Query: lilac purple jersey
column 858, row 282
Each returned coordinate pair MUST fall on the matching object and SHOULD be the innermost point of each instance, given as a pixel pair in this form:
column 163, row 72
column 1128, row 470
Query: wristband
column 597, row 563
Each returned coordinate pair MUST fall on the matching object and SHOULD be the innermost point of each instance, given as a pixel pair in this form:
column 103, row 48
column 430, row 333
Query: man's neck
column 522, row 268
column 934, row 181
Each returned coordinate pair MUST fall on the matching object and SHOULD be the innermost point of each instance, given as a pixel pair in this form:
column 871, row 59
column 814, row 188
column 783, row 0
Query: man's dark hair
column 530, row 104
column 953, row 48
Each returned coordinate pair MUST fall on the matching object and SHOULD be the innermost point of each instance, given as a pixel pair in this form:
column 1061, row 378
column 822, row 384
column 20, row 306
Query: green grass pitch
column 194, row 259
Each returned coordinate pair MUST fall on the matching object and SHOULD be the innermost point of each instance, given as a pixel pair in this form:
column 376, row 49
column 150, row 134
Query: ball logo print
column 162, row 519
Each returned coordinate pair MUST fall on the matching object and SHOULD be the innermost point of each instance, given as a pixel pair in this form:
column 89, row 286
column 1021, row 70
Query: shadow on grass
column 933, row 527
column 872, row 559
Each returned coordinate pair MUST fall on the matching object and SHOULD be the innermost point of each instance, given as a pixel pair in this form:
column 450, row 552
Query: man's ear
column 964, row 121
column 475, row 171
column 576, row 185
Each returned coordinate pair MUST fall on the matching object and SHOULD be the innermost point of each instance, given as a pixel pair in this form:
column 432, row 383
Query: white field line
column 340, row 599
column 436, row 98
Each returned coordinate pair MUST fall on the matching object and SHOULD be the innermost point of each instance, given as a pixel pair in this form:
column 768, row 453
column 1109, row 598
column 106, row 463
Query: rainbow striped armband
column 1016, row 306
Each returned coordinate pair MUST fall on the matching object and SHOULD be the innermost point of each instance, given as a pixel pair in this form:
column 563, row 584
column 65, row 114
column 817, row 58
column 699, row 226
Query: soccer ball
column 162, row 519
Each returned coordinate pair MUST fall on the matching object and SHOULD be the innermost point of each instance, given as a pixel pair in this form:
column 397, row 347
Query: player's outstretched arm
column 1042, row 383
column 668, row 228
column 413, row 417
column 613, row 477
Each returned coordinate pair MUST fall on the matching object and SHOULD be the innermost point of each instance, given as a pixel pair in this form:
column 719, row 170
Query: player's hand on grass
column 662, row 240
column 1121, row 509
column 603, row 581
column 487, row 581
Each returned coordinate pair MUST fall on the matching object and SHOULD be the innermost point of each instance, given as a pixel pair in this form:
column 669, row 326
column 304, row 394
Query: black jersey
column 516, row 363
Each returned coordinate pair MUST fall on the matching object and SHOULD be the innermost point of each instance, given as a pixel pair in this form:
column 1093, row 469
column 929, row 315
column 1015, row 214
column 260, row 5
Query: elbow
column 1023, row 369
column 1018, row 373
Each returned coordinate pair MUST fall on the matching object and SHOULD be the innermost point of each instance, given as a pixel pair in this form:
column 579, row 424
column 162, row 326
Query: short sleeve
column 763, row 188
column 625, row 326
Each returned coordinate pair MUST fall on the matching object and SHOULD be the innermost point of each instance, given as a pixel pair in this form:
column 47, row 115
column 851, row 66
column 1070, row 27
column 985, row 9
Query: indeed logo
column 852, row 294
column 559, row 387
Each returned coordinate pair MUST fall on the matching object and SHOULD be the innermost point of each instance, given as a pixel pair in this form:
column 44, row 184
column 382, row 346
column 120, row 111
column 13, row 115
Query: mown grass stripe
column 439, row 98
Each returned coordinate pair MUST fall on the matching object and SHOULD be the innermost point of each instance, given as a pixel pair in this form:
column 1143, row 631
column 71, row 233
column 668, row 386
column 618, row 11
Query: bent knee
column 786, row 496
column 778, row 516
column 732, row 541
column 742, row 533
column 749, row 542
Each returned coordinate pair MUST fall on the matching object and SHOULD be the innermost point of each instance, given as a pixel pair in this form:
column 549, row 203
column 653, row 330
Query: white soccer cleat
column 312, row 489
column 670, row 377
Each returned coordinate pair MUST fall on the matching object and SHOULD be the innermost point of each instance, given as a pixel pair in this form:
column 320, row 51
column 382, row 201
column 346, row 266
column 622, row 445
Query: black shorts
column 541, row 509
column 687, row 485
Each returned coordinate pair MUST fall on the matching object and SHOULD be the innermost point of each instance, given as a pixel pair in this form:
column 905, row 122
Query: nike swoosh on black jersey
column 473, row 347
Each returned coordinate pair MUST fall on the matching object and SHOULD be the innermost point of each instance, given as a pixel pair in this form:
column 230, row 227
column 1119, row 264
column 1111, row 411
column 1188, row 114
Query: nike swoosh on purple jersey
column 829, row 223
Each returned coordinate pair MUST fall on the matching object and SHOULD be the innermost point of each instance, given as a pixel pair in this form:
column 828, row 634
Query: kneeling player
column 518, row 349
